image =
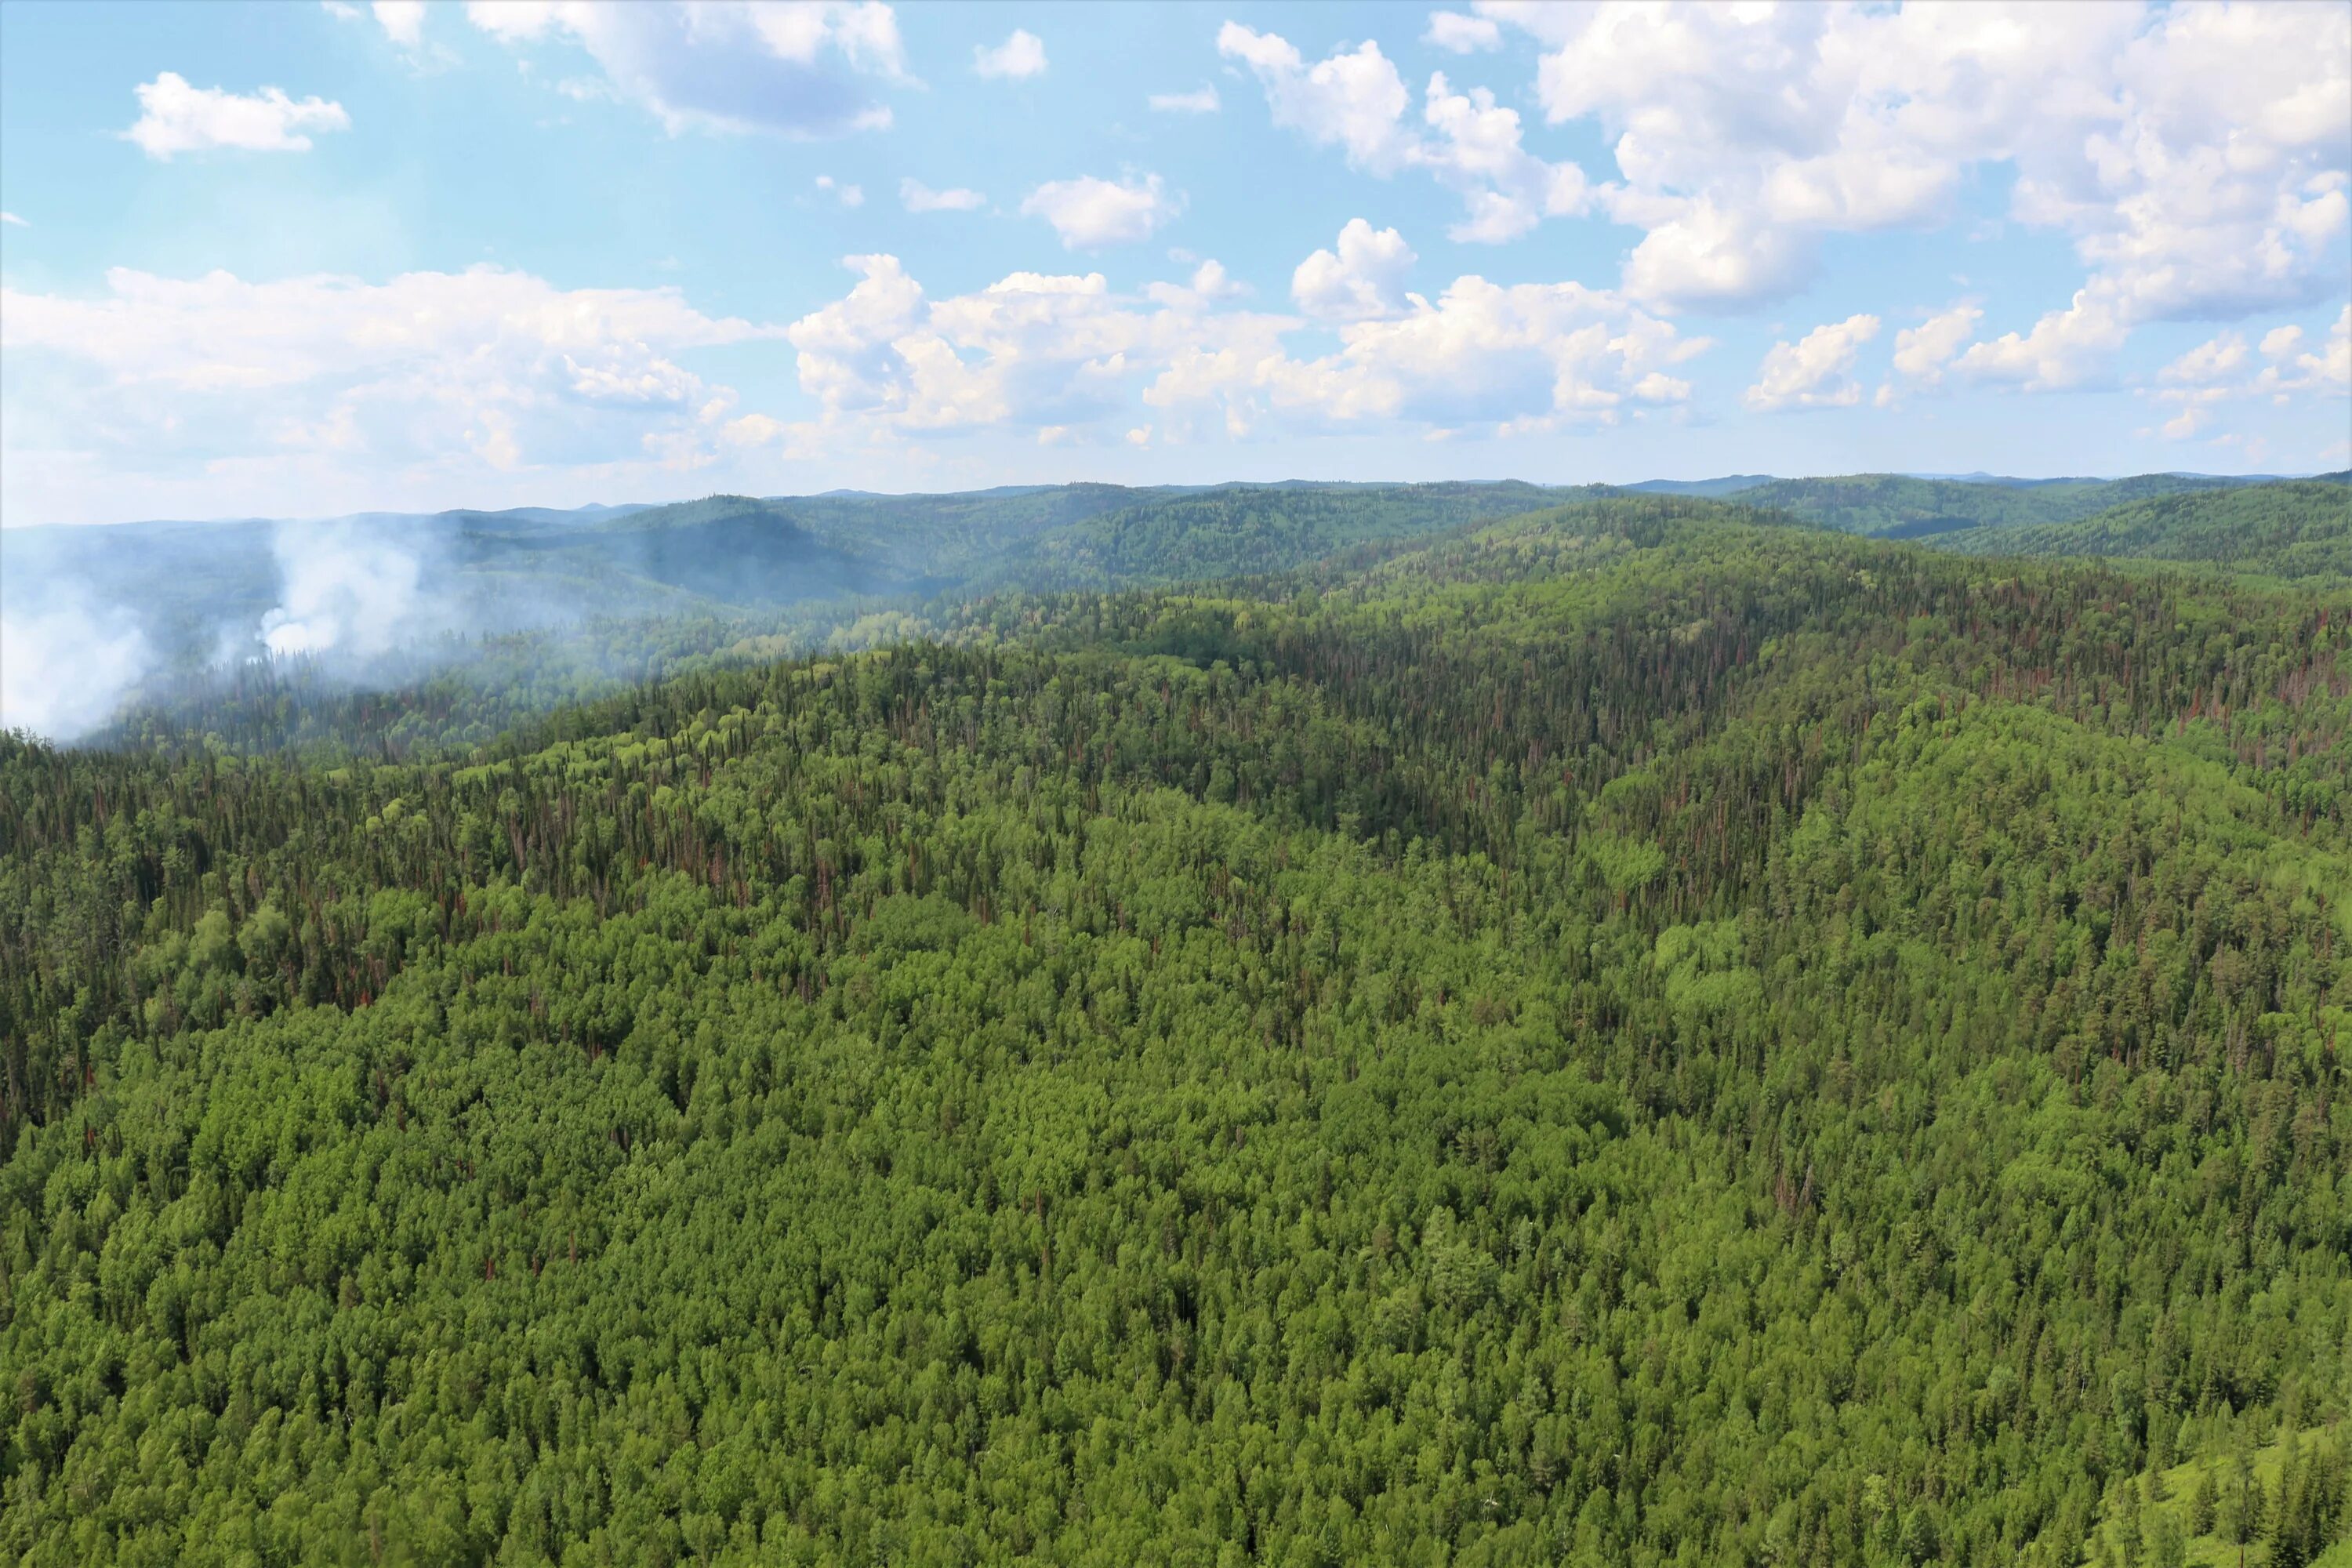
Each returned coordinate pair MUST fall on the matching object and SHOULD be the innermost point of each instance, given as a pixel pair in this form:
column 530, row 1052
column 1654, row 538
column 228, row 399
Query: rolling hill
column 1628, row 1032
column 1893, row 506
column 2293, row 529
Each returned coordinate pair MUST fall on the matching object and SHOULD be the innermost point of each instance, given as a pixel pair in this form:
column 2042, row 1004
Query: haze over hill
column 376, row 598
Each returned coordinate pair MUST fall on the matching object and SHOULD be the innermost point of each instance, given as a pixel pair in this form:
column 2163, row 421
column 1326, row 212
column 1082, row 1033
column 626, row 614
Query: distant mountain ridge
column 1730, row 485
column 2295, row 529
column 1901, row 506
column 197, row 589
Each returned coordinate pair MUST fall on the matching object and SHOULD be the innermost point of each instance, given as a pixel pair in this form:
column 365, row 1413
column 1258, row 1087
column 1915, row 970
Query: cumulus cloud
column 219, row 386
column 1506, row 359
column 1021, row 55
column 1922, row 352
column 919, row 197
column 2330, row 370
column 1811, row 373
column 175, row 118
column 1210, row 285
column 1707, row 257
column 1202, row 100
column 1088, row 212
column 1463, row 34
column 2223, row 369
column 403, row 21
column 1355, row 100
column 847, row 195
column 2197, row 154
column 2219, row 360
column 2064, row 349
column 803, row 70
column 1362, row 279
column 1063, row 356
column 1477, row 151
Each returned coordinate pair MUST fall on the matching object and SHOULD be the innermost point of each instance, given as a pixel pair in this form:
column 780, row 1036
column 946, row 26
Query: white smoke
column 343, row 591
column 65, row 664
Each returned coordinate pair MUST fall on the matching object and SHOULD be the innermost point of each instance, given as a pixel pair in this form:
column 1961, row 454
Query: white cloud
column 280, row 395
column 2064, row 350
column 1088, row 212
column 403, row 21
column 2197, row 153
column 2330, row 370
column 1355, row 100
column 1202, row 100
column 1811, row 373
column 2212, row 362
column 804, row 68
column 2185, row 424
column 177, row 118
column 12, row 221
column 1062, row 358
column 1479, row 152
column 884, row 355
column 1020, row 56
column 342, row 10
column 1362, row 280
column 1463, row 34
column 1705, row 258
column 848, row 195
column 1922, row 352
column 919, row 197
column 2222, row 370
column 1510, row 359
column 1211, row 284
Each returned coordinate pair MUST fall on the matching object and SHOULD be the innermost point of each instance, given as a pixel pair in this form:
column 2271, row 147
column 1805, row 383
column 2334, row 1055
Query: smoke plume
column 65, row 666
column 343, row 591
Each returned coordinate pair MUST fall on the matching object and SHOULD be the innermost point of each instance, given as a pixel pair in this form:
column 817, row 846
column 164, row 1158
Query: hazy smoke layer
column 64, row 666
column 344, row 592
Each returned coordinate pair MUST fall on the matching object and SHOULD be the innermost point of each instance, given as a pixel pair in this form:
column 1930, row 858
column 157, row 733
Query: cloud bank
column 289, row 392
column 1055, row 354
column 803, row 70
column 2197, row 156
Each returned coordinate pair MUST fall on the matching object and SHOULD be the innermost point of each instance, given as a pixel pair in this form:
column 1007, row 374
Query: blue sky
column 302, row 259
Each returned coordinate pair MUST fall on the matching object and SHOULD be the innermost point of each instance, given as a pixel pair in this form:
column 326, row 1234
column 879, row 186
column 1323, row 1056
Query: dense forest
column 1635, row 1032
column 2297, row 531
column 1903, row 506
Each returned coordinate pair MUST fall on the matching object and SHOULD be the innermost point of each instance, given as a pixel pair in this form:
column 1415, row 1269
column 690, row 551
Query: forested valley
column 1639, row 1031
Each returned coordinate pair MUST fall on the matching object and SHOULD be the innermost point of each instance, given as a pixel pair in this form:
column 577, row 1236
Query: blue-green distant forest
column 1438, row 1024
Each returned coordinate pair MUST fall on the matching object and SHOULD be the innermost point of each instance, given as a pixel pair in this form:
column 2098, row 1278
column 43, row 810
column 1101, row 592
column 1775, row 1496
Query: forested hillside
column 1616, row 1036
column 1728, row 485
column 544, row 605
column 1898, row 506
column 1242, row 530
column 207, row 596
column 2295, row 529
